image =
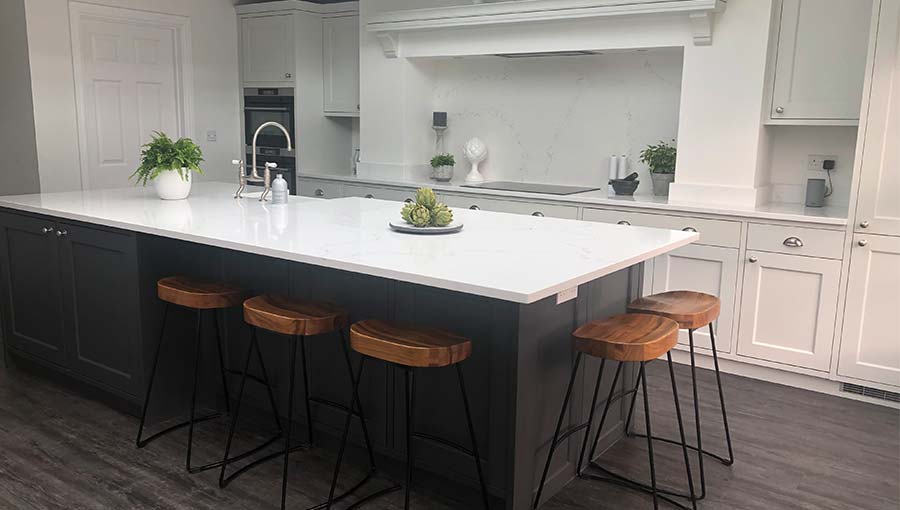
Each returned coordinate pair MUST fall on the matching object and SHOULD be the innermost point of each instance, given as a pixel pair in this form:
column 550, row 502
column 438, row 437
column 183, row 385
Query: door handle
column 62, row 233
column 474, row 208
column 623, row 222
column 864, row 224
column 408, row 200
column 863, row 242
column 793, row 242
column 753, row 259
column 47, row 230
column 538, row 214
column 369, row 195
column 319, row 193
column 689, row 229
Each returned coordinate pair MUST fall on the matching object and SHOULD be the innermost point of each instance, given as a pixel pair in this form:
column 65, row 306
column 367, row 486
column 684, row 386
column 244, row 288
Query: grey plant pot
column 442, row 173
column 661, row 183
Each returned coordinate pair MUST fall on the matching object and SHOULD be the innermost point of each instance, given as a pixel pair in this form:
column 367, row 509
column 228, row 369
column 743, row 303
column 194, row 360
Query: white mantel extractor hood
column 517, row 18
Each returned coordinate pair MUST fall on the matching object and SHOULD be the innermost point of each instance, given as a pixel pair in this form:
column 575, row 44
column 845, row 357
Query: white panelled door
column 128, row 90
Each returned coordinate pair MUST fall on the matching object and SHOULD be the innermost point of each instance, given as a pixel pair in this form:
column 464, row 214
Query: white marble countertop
column 830, row 215
column 511, row 257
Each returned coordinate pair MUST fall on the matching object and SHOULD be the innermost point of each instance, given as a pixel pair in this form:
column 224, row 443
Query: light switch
column 210, row 135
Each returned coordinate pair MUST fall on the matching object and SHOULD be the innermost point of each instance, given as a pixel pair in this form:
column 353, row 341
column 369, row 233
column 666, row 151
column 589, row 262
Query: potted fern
column 442, row 167
column 661, row 160
column 169, row 164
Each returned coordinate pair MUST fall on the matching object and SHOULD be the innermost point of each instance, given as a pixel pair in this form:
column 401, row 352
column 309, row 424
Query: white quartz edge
column 832, row 216
column 676, row 240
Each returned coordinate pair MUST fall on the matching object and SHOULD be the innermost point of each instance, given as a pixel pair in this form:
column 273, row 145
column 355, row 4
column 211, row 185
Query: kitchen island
column 78, row 273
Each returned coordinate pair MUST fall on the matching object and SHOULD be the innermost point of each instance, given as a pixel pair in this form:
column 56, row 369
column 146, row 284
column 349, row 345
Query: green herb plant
column 443, row 160
column 660, row 157
column 163, row 155
column 426, row 211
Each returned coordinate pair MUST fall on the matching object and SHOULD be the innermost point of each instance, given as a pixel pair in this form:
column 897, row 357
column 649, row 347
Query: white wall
column 216, row 91
column 20, row 170
column 551, row 119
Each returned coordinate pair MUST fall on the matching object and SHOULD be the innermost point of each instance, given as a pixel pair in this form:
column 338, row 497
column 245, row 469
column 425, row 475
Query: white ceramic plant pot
column 170, row 186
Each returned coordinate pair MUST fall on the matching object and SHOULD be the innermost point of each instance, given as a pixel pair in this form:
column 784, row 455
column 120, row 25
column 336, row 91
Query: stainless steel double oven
column 262, row 105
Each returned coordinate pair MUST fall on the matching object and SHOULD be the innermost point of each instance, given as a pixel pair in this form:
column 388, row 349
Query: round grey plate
column 406, row 228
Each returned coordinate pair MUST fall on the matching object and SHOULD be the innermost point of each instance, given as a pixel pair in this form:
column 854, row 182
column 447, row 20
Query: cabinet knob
column 47, row 230
column 793, row 242
column 287, row 75
column 623, row 222
column 779, row 109
column 864, row 224
column 753, row 259
column 369, row 195
column 319, row 192
column 689, row 229
column 862, row 242
column 538, row 214
column 474, row 208
column 408, row 200
column 61, row 233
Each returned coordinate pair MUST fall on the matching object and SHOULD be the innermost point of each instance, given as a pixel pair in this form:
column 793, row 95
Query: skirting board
column 776, row 376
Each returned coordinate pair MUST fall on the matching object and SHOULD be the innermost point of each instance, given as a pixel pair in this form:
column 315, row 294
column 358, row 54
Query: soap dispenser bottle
column 279, row 190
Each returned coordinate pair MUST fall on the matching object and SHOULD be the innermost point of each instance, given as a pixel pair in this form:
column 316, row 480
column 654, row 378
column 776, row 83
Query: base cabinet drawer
column 724, row 233
column 395, row 194
column 796, row 240
column 511, row 206
column 319, row 189
column 870, row 341
column 708, row 269
column 788, row 309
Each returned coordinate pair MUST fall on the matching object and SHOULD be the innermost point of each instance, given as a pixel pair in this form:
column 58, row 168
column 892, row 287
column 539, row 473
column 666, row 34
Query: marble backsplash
column 556, row 119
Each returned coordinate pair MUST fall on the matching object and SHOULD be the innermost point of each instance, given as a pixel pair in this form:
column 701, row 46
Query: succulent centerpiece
column 426, row 211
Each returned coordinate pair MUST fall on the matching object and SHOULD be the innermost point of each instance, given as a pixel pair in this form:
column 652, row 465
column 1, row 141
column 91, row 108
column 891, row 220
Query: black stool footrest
column 616, row 478
column 708, row 453
column 349, row 491
column 144, row 442
column 243, row 469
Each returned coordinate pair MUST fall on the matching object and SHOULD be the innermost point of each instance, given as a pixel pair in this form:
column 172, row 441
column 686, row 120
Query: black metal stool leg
column 237, row 409
column 712, row 340
column 609, row 399
column 559, row 422
column 465, row 397
column 309, row 418
column 696, row 417
column 140, row 443
column 649, row 438
column 628, row 431
column 191, row 420
column 216, row 314
column 356, row 402
column 290, row 417
column 590, row 422
column 684, row 448
column 410, row 424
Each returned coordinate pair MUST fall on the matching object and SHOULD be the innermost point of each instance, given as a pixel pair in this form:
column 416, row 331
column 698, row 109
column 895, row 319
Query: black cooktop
column 528, row 187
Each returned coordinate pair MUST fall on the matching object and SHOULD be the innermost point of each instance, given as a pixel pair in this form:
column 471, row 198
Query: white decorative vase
column 170, row 186
column 475, row 151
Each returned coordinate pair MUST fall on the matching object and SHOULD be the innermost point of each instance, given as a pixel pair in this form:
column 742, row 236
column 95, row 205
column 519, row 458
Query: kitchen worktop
column 829, row 215
column 516, row 258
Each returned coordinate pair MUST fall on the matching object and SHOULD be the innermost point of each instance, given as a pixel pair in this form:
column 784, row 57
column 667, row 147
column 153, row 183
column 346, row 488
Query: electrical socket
column 814, row 162
column 211, row 135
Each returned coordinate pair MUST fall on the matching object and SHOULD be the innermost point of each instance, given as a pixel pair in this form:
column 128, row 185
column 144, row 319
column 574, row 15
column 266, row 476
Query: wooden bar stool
column 409, row 348
column 637, row 338
column 692, row 311
column 296, row 319
column 199, row 296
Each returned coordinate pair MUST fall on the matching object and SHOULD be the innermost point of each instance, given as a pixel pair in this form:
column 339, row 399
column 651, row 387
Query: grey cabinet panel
column 32, row 304
column 100, row 299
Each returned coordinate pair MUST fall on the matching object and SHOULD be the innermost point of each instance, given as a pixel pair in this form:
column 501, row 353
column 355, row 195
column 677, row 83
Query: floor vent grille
column 865, row 391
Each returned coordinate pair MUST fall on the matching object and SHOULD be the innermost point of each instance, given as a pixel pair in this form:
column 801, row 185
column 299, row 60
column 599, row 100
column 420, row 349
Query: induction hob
column 528, row 187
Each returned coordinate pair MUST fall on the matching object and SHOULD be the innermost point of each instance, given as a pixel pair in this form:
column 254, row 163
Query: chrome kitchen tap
column 254, row 176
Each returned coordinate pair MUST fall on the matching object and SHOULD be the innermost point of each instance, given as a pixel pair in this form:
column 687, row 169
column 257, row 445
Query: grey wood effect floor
column 795, row 450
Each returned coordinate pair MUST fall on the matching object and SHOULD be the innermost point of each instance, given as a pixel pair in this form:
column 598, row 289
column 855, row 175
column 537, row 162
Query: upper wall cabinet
column 267, row 49
column 341, row 66
column 820, row 59
column 878, row 208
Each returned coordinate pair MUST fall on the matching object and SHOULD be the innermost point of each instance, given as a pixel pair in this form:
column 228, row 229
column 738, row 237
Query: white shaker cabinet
column 820, row 61
column 708, row 269
column 870, row 343
column 788, row 309
column 878, row 207
column 341, row 66
column 267, row 50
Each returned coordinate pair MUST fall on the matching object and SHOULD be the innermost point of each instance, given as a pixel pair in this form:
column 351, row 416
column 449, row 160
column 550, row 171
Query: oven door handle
column 267, row 108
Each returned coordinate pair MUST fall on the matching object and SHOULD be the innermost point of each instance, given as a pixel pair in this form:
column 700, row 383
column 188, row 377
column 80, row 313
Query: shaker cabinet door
column 870, row 342
column 267, row 49
column 30, row 279
column 341, row 65
column 788, row 309
column 100, row 298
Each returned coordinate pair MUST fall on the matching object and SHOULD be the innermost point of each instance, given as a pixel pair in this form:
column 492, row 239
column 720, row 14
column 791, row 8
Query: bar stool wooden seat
column 296, row 319
column 637, row 338
column 199, row 296
column 692, row 311
column 410, row 348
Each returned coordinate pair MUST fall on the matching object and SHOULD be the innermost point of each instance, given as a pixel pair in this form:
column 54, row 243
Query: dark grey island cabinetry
column 70, row 300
